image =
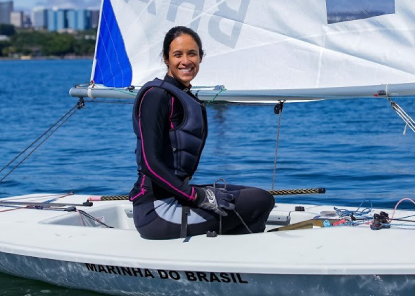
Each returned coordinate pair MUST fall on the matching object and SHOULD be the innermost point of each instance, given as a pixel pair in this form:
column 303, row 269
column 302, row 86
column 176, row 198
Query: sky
column 333, row 5
column 27, row 5
column 359, row 5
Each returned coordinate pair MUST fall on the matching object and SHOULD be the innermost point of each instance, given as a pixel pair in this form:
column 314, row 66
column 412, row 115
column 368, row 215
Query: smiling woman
column 171, row 128
column 182, row 55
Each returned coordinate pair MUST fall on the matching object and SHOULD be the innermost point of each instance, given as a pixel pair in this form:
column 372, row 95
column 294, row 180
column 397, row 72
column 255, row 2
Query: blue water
column 353, row 148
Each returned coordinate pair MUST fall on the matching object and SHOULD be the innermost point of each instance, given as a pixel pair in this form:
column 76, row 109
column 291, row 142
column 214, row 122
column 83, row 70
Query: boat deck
column 60, row 235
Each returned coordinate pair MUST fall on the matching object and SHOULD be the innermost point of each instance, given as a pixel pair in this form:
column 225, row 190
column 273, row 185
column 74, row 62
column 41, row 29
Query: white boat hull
column 121, row 280
column 56, row 247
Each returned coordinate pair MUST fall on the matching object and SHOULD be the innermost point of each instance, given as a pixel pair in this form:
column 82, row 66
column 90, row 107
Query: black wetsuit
column 159, row 194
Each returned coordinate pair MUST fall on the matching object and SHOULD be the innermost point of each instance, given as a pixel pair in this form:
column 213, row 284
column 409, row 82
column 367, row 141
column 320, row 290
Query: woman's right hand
column 215, row 199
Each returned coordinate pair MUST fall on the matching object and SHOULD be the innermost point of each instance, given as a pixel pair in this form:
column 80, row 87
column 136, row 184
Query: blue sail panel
column 113, row 67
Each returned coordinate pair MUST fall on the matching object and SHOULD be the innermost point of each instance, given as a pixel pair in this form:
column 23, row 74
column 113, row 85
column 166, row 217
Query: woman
column 171, row 128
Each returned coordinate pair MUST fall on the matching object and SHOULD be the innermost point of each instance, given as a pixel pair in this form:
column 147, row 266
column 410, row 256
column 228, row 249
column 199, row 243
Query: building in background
column 72, row 19
column 84, row 21
column 27, row 22
column 62, row 20
column 52, row 19
column 40, row 18
column 6, row 9
column 94, row 18
column 17, row 19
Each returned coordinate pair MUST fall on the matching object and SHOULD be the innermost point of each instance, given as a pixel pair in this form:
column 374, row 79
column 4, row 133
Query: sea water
column 354, row 148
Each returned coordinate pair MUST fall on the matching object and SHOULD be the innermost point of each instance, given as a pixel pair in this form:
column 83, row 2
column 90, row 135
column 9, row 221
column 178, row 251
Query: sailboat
column 288, row 51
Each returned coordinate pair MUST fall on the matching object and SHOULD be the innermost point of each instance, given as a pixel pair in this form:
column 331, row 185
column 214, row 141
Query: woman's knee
column 264, row 199
column 255, row 201
column 269, row 199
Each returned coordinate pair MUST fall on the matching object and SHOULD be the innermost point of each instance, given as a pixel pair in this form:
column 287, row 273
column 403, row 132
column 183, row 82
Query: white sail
column 263, row 45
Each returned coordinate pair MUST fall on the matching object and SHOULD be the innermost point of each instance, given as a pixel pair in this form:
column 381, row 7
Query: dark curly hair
column 175, row 32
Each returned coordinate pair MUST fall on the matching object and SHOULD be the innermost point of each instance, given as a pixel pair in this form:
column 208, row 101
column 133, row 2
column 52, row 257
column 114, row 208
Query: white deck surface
column 342, row 250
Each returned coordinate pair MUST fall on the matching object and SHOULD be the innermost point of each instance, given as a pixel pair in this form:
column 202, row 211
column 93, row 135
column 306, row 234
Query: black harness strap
column 183, row 229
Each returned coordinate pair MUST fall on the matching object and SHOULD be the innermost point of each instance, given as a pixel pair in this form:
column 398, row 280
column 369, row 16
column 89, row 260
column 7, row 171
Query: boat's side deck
column 60, row 235
column 35, row 208
column 118, row 213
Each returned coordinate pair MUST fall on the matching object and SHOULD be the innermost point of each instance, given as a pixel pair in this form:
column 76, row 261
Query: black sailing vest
column 188, row 139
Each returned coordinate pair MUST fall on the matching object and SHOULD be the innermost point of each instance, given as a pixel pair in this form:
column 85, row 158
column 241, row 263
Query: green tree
column 4, row 48
column 41, row 43
column 29, row 42
column 59, row 45
column 7, row 30
column 84, row 47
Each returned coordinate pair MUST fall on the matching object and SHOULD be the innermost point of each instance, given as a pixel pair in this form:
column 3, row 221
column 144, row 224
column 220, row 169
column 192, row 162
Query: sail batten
column 253, row 47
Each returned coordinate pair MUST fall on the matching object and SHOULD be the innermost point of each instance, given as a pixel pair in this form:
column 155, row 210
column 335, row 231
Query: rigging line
column 408, row 121
column 73, row 110
column 51, row 198
column 13, row 207
column 243, row 222
column 278, row 109
column 56, row 198
column 207, row 102
column 396, row 206
column 403, row 115
column 7, row 165
column 273, row 192
column 89, row 216
column 402, row 218
column 109, row 102
column 217, row 94
column 398, row 224
column 37, row 197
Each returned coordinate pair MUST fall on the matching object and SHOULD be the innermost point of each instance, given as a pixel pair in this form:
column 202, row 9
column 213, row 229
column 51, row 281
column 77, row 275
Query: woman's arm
column 154, row 114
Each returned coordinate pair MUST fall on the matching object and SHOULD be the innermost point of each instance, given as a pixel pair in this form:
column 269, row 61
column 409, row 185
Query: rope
column 298, row 191
column 110, row 102
column 396, row 206
column 405, row 117
column 243, row 222
column 358, row 213
column 114, row 197
column 85, row 214
column 397, row 224
column 62, row 121
column 217, row 94
column 273, row 192
column 205, row 102
column 56, row 198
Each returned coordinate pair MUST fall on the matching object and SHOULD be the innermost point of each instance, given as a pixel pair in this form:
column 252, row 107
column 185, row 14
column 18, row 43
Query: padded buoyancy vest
column 188, row 139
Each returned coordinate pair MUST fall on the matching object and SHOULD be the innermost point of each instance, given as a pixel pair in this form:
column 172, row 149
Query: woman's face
column 184, row 59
